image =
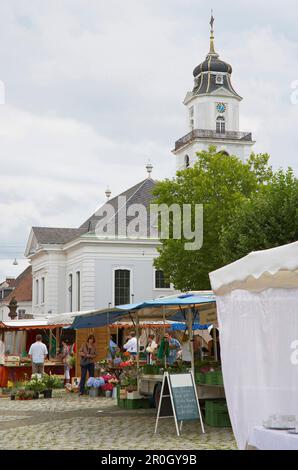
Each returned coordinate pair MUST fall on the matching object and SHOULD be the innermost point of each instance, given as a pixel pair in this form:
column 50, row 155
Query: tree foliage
column 226, row 187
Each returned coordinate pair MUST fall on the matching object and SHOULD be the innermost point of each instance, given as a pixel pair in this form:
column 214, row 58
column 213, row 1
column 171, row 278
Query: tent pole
column 138, row 348
column 190, row 332
column 215, row 343
column 164, row 331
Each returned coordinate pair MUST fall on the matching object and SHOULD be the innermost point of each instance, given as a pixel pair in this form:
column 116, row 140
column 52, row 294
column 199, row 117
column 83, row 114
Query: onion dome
column 212, row 73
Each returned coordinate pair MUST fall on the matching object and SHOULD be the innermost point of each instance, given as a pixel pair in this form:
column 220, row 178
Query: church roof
column 140, row 193
column 55, row 235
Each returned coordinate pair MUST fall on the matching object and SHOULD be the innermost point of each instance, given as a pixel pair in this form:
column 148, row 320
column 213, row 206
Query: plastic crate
column 121, row 403
column 214, row 378
column 216, row 413
column 200, row 378
column 137, row 404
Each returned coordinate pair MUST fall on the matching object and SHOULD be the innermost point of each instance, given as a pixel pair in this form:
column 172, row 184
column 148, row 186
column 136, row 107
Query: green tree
column 221, row 183
column 268, row 219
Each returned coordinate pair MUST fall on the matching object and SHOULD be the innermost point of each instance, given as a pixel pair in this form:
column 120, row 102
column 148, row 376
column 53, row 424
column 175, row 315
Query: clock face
column 221, row 107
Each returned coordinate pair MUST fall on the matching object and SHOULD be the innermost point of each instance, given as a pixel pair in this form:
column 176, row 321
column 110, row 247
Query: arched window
column 122, row 286
column 186, row 161
column 220, row 125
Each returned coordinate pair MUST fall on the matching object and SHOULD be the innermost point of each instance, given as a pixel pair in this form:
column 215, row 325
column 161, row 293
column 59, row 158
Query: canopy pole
column 164, row 331
column 138, row 349
column 215, row 343
column 190, row 333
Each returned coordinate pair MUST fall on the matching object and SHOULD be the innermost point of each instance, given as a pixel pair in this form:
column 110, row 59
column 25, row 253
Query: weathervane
column 211, row 21
column 212, row 50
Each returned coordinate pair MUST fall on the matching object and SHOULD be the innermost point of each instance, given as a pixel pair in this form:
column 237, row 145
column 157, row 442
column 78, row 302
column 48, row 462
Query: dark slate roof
column 205, row 76
column 56, row 236
column 212, row 64
column 141, row 193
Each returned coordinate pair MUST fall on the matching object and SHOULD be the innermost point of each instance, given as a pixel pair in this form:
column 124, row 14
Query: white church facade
column 74, row 269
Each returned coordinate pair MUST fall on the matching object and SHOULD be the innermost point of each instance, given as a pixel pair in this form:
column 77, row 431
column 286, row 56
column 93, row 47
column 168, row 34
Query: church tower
column 212, row 112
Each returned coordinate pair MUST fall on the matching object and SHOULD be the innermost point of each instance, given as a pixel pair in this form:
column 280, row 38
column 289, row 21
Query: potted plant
column 24, row 394
column 50, row 382
column 35, row 385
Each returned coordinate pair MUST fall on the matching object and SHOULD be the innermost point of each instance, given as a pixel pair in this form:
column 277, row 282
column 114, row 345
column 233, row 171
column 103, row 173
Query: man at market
column 174, row 347
column 38, row 353
column 131, row 345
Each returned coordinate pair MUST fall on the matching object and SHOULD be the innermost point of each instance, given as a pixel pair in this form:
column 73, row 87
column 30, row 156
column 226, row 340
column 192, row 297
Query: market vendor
column 174, row 347
column 131, row 345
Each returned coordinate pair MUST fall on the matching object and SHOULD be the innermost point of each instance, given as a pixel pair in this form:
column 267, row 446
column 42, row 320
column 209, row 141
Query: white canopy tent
column 257, row 308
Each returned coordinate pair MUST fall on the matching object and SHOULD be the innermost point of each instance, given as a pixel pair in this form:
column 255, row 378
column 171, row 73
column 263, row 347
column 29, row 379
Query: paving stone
column 71, row 422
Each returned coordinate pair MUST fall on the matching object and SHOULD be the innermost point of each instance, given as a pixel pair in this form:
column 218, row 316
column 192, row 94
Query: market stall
column 257, row 306
column 189, row 309
column 18, row 335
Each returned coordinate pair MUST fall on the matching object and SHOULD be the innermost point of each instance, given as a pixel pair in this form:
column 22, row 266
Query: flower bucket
column 108, row 393
column 93, row 392
column 48, row 393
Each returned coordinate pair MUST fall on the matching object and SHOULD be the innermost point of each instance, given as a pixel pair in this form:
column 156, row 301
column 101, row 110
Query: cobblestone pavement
column 71, row 422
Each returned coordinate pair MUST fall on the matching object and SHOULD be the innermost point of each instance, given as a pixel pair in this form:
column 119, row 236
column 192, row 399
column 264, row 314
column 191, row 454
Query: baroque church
column 74, row 269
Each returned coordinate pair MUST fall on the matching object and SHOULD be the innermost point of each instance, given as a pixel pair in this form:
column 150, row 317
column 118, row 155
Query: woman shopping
column 87, row 354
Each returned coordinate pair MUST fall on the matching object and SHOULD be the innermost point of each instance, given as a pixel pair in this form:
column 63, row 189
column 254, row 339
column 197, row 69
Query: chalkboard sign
column 179, row 400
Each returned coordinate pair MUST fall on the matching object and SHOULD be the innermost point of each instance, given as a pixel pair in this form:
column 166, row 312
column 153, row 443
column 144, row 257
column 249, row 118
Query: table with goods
column 279, row 432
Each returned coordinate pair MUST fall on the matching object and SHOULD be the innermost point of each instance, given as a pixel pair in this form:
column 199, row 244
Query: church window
column 191, row 117
column 160, row 280
column 36, row 292
column 78, row 291
column 186, row 161
column 122, row 286
column 220, row 125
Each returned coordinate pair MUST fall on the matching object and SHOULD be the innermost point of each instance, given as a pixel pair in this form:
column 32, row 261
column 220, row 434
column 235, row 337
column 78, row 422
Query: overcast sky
column 94, row 88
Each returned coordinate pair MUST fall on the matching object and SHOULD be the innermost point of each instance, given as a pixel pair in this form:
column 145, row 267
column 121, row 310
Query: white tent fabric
column 257, row 309
column 258, row 351
column 277, row 267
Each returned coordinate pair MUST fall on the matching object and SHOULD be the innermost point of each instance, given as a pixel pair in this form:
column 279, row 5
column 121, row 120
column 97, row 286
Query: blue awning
column 105, row 317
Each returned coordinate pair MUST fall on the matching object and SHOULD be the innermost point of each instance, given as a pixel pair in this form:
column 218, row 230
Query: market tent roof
column 172, row 306
column 259, row 270
column 27, row 325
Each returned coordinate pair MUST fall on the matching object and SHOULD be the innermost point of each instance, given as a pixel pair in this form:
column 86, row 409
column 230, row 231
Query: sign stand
column 179, row 400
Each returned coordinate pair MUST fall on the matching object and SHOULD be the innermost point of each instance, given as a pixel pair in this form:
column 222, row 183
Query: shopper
column 66, row 354
column 131, row 345
column 151, row 349
column 38, row 353
column 87, row 354
column 174, row 347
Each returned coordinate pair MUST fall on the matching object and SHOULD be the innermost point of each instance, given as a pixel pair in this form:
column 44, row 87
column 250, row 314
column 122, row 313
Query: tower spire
column 212, row 50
